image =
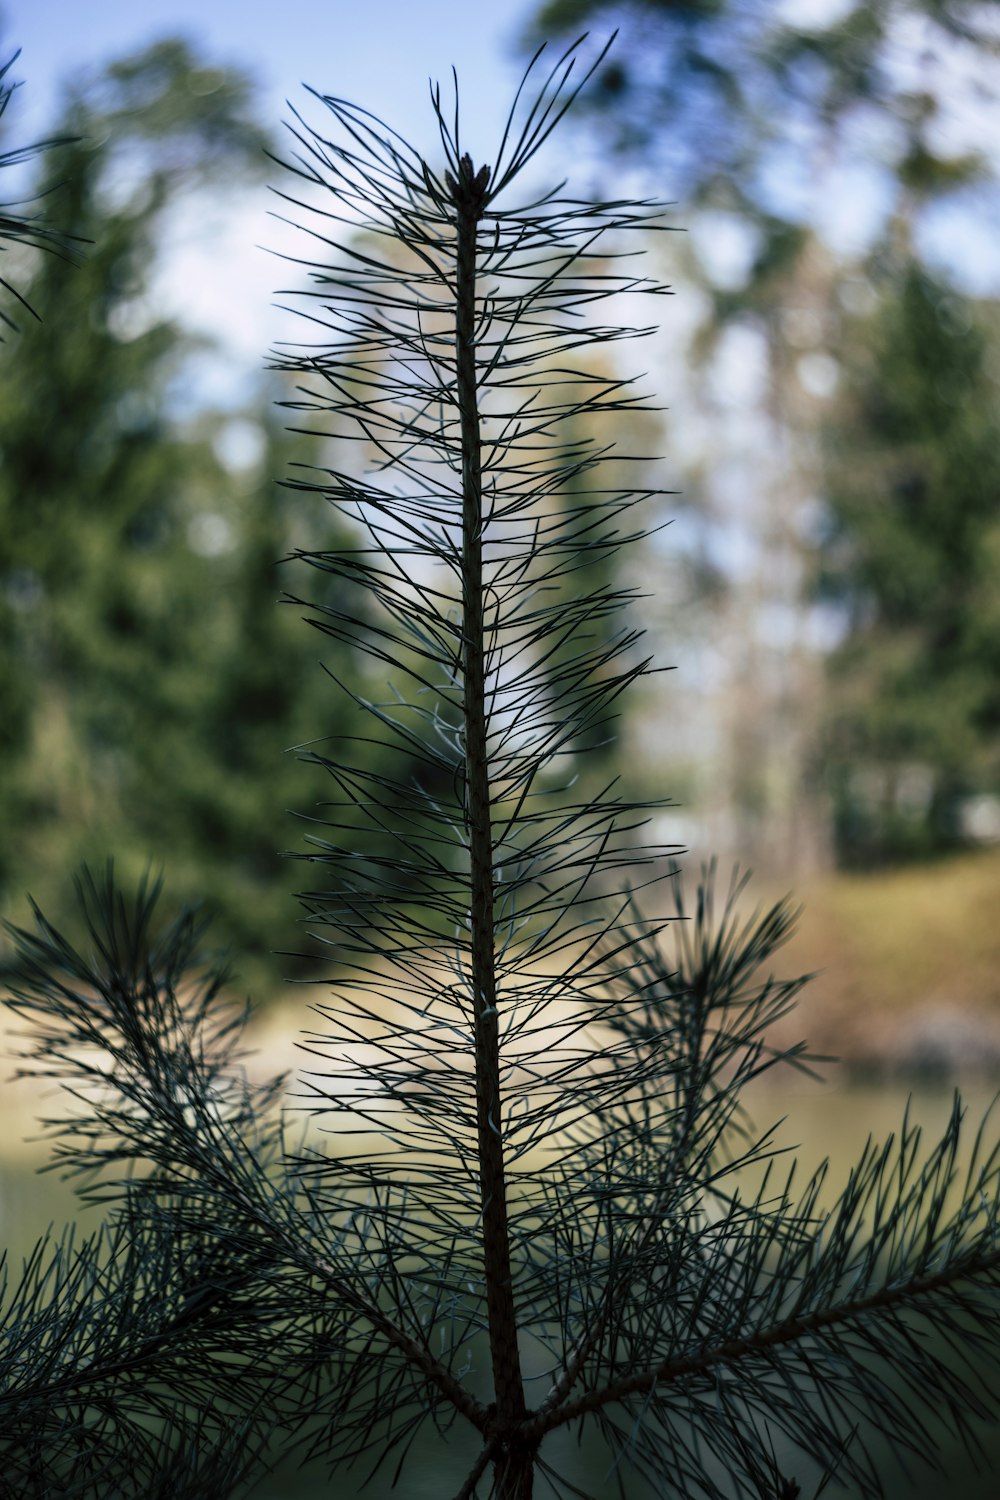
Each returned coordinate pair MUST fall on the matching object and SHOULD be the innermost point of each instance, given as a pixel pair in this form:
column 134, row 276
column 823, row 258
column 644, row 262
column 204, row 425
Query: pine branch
column 907, row 1296
column 16, row 226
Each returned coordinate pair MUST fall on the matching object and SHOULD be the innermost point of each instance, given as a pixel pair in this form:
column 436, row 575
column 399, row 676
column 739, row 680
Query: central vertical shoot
column 469, row 196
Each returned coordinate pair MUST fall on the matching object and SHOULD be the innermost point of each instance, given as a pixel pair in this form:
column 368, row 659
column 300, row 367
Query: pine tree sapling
column 539, row 1211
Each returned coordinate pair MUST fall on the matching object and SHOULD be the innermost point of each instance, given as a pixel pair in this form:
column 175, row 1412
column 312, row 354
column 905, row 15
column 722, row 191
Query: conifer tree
column 911, row 556
column 126, row 540
column 539, row 1147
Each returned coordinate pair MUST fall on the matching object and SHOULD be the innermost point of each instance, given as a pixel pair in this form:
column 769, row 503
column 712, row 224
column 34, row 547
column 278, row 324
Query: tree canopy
column 150, row 684
column 827, row 153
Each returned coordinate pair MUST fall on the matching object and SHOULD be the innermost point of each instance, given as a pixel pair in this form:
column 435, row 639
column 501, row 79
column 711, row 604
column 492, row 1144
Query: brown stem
column 469, row 196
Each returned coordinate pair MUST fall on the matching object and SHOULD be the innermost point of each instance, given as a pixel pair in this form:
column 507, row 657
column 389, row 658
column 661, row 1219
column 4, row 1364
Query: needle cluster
column 540, row 1204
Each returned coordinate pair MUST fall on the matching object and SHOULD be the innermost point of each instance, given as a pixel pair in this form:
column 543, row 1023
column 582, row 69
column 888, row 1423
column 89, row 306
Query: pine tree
column 911, row 556
column 535, row 1089
column 125, row 540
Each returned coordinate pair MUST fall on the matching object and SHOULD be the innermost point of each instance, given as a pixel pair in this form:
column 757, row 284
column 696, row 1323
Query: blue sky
column 379, row 53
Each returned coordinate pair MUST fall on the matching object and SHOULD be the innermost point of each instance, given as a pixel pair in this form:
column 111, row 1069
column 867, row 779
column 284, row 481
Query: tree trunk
column 469, row 194
column 514, row 1474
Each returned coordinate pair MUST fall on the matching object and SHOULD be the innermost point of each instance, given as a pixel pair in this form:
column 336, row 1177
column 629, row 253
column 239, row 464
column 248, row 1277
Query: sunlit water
column 822, row 1121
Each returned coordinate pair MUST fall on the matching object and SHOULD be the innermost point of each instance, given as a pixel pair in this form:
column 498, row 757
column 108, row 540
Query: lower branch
column 734, row 1350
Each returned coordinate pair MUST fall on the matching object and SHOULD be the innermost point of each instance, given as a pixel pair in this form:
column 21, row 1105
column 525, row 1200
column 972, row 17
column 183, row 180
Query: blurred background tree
column 149, row 682
column 911, row 554
column 821, row 162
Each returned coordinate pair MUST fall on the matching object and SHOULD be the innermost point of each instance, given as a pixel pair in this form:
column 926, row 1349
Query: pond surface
column 828, row 1120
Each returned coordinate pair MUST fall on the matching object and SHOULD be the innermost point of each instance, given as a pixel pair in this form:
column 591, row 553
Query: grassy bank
column 905, row 959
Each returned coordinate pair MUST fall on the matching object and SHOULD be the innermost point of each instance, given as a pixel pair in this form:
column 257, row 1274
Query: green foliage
column 150, row 1385
column 710, row 91
column 149, row 685
column 912, row 556
column 742, row 108
column 533, row 1089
